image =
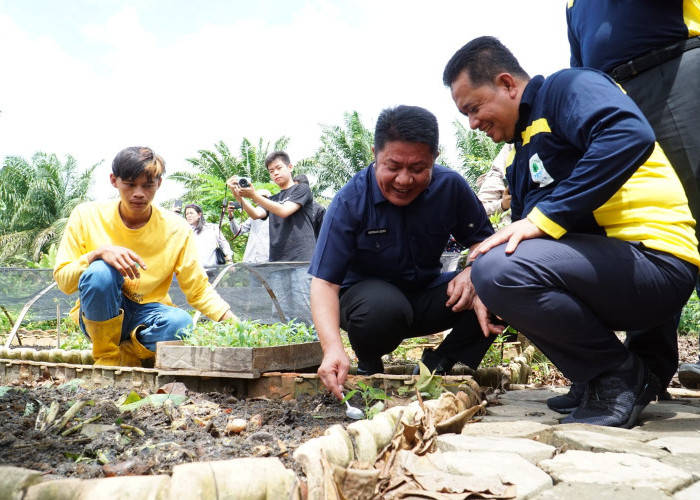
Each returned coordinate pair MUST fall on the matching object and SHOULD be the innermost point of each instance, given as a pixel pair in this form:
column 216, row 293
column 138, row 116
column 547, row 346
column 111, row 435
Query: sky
column 88, row 78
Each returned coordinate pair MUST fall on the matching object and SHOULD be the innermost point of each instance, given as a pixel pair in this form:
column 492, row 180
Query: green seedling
column 429, row 385
column 247, row 334
column 370, row 395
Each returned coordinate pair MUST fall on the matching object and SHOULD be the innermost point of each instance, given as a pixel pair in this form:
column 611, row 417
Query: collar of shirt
column 529, row 95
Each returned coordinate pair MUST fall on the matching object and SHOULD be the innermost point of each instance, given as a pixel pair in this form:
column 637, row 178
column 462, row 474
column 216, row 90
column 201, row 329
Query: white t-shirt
column 207, row 240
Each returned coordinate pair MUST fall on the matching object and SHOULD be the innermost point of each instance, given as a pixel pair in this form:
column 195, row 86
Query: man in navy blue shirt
column 602, row 238
column 376, row 266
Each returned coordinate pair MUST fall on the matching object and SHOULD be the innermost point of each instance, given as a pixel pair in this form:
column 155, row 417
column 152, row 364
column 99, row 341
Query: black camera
column 244, row 182
column 234, row 205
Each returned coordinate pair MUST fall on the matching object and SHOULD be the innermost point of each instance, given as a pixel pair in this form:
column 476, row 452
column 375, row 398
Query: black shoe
column 566, row 403
column 367, row 367
column 689, row 375
column 616, row 398
column 435, row 362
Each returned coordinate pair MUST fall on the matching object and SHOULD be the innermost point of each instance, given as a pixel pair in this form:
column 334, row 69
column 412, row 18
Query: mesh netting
column 246, row 287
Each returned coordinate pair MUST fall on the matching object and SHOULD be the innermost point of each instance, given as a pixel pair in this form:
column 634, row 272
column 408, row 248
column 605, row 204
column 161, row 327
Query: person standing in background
column 493, row 192
column 257, row 249
column 652, row 49
column 207, row 236
column 289, row 211
column 318, row 210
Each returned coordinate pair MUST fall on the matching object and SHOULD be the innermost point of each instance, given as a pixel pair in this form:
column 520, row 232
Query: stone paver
column 589, row 491
column 679, row 445
column 522, row 410
column 690, row 493
column 590, row 440
column 688, row 463
column 528, row 479
column 530, row 450
column 517, row 428
column 615, row 468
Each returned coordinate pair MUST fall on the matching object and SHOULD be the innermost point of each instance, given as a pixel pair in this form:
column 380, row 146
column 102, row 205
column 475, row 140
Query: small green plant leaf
column 348, row 396
column 154, row 399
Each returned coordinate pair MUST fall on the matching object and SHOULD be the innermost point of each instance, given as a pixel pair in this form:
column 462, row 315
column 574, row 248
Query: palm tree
column 476, row 152
column 344, row 151
column 37, row 199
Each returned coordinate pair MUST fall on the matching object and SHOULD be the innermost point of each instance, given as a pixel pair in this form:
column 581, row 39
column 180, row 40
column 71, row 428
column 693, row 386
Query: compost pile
column 65, row 430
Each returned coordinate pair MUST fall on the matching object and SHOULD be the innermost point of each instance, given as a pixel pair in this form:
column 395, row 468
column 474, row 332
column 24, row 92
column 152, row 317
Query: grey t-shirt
column 292, row 239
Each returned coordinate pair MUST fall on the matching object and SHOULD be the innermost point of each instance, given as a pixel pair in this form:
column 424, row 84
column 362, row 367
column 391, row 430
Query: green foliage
column 37, row 198
column 344, row 151
column 541, row 368
column 690, row 316
column 476, row 152
column 206, row 185
column 132, row 401
column 370, row 395
column 494, row 356
column 429, row 385
column 46, row 260
column 247, row 334
column 73, row 338
column 401, row 352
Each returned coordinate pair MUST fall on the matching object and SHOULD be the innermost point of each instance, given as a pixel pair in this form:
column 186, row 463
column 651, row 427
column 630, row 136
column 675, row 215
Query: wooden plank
column 287, row 357
column 207, row 374
column 241, row 360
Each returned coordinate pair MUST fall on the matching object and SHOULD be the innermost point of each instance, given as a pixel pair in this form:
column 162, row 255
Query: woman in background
column 208, row 236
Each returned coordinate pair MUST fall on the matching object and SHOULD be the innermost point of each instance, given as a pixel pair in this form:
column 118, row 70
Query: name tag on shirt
column 371, row 232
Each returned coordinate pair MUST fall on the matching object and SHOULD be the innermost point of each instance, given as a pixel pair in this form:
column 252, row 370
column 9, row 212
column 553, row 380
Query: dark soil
column 196, row 433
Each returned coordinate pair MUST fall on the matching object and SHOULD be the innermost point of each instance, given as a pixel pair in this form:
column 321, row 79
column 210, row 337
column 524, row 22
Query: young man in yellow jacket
column 120, row 255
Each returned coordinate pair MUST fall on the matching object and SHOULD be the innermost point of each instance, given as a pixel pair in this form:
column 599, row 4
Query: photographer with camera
column 289, row 211
column 258, row 247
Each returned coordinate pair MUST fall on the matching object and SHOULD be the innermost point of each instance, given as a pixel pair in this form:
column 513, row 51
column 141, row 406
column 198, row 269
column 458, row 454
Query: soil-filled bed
column 199, row 432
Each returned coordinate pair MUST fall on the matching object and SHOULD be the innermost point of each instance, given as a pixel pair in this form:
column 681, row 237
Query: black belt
column 635, row 66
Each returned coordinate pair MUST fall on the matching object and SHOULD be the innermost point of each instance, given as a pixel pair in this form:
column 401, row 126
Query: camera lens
column 243, row 182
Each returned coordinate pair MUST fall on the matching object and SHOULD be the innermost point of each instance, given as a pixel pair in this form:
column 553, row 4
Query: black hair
column 134, row 161
column 277, row 155
column 200, row 223
column 406, row 123
column 301, row 179
column 483, row 59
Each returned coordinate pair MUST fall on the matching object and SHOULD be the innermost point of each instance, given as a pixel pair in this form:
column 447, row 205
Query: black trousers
column 669, row 97
column 378, row 315
column 569, row 296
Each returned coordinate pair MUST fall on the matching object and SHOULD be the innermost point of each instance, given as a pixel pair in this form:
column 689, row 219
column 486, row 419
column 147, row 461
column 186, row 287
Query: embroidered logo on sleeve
column 538, row 173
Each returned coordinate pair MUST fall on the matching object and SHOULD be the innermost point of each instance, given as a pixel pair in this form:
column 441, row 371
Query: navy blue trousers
column 569, row 296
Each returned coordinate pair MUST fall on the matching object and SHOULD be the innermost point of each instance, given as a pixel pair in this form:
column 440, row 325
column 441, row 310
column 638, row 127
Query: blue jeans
column 101, row 298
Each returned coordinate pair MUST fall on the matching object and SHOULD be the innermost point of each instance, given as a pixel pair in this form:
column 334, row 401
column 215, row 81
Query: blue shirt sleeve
column 335, row 244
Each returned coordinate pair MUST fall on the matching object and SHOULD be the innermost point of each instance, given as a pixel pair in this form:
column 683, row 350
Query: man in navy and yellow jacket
column 603, row 239
column 652, row 49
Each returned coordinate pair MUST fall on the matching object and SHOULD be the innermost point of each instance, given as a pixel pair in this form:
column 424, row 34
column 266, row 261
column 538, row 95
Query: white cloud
column 250, row 79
